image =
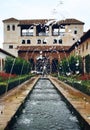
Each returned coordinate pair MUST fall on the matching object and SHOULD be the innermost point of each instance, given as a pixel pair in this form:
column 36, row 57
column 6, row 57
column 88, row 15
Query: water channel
column 45, row 109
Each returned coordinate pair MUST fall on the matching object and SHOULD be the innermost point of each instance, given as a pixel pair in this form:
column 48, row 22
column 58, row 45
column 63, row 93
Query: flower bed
column 81, row 83
column 5, row 76
column 13, row 82
column 84, row 77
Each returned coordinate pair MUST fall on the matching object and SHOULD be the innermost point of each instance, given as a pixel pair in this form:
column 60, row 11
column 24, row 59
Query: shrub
column 72, row 65
column 12, row 83
column 17, row 66
column 5, row 76
column 82, row 85
column 87, row 63
column 3, row 87
column 84, row 77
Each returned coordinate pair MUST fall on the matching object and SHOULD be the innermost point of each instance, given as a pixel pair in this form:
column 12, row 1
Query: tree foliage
column 17, row 66
column 87, row 63
column 72, row 64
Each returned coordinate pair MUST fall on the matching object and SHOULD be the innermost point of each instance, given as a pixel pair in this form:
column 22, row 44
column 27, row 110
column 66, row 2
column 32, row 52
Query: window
column 55, row 32
column 8, row 28
column 38, row 41
column 44, row 41
column 28, row 41
column 24, row 32
column 55, row 41
column 27, row 31
column 10, row 46
column 73, row 39
column 62, row 31
column 23, row 41
column 60, row 41
column 13, row 27
column 75, row 31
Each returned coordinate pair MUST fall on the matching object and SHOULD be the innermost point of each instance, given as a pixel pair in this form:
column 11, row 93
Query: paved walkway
column 79, row 100
column 10, row 102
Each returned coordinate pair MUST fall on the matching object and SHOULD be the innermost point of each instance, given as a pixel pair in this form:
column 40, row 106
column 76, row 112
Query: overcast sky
column 34, row 9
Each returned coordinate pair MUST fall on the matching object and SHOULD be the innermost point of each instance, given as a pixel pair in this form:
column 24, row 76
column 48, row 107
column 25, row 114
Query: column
column 34, row 30
column 1, row 66
column 50, row 30
column 84, row 68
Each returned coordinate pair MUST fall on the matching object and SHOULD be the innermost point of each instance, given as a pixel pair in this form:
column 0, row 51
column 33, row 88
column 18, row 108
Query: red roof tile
column 34, row 21
column 10, row 20
column 70, row 21
column 44, row 21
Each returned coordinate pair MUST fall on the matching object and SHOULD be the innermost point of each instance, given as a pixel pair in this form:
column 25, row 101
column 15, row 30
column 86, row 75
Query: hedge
column 12, row 83
column 80, row 86
column 83, row 88
column 2, row 87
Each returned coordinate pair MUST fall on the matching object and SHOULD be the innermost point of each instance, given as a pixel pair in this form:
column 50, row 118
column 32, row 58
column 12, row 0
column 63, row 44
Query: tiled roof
column 43, row 48
column 28, row 21
column 7, row 53
column 70, row 21
column 44, row 21
column 34, row 21
column 10, row 20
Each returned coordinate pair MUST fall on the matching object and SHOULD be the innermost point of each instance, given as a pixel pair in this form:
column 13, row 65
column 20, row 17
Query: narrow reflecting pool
column 45, row 110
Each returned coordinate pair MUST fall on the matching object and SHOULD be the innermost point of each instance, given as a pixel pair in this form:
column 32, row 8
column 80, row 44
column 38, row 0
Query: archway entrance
column 43, row 64
column 32, row 63
column 54, row 65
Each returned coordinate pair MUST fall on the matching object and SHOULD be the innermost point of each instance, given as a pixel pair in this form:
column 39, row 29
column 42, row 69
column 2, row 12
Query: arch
column 23, row 41
column 31, row 60
column 8, row 27
column 54, row 65
column 13, row 27
column 28, row 41
column 44, row 41
column 39, row 41
column 60, row 41
column 54, row 41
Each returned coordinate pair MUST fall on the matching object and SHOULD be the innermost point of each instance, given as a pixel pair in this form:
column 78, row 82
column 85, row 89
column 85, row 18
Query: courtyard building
column 43, row 42
column 82, row 46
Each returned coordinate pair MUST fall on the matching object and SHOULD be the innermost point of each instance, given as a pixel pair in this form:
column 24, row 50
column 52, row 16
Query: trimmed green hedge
column 12, row 83
column 80, row 85
column 83, row 88
column 2, row 87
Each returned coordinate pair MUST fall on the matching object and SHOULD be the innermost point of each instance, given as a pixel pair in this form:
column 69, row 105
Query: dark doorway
column 54, row 65
column 32, row 63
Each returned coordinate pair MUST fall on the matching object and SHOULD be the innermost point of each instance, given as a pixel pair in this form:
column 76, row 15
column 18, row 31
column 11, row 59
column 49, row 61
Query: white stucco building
column 40, row 32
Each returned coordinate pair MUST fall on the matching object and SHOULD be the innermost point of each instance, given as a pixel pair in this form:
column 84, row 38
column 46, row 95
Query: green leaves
column 17, row 66
column 87, row 63
column 71, row 65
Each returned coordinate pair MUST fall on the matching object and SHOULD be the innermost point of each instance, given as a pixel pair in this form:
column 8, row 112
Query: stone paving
column 79, row 100
column 11, row 101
